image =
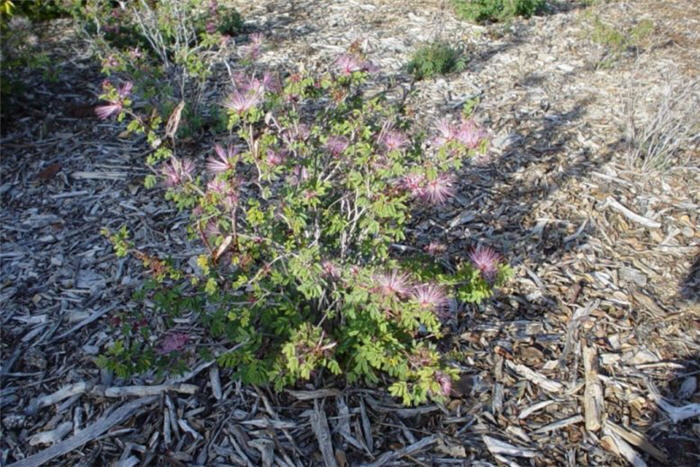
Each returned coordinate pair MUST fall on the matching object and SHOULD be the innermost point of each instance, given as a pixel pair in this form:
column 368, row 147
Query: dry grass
column 670, row 134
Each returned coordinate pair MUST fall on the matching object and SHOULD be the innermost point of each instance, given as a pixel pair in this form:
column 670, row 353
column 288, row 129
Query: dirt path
column 606, row 257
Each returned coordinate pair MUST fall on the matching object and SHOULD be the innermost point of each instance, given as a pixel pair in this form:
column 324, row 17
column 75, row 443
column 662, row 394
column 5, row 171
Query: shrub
column 481, row 11
column 297, row 210
column 435, row 58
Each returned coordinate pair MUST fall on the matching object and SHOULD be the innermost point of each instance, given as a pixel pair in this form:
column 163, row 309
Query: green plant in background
column 297, row 210
column 619, row 41
column 437, row 58
column 481, row 11
column 42, row 10
column 21, row 53
column 6, row 7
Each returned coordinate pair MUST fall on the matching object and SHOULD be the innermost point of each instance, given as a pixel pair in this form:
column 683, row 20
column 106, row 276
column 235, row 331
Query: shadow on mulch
column 681, row 439
column 690, row 287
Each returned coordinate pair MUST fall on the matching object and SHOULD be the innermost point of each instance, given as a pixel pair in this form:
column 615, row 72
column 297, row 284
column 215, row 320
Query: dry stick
column 52, row 436
column 319, row 424
column 625, row 449
column 560, row 424
column 496, row 446
column 540, row 380
column 407, row 451
column 637, row 440
column 56, row 397
column 86, row 435
column 142, row 391
column 315, row 394
column 593, row 394
column 646, row 222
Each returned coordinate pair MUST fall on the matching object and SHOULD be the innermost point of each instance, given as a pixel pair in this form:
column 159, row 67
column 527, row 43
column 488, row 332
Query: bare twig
column 651, row 224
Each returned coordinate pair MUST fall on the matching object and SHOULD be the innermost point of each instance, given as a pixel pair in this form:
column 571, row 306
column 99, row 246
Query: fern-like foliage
column 437, row 58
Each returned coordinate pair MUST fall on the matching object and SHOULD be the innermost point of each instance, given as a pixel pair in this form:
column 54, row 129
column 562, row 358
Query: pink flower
column 337, row 144
column 125, row 89
column 173, row 342
column 250, row 84
column 177, row 171
column 225, row 160
column 347, row 64
column 439, row 190
column 445, row 382
column 270, row 82
column 210, row 27
column 299, row 174
column 446, row 132
column 105, row 111
column 393, row 140
column 213, row 7
column 111, row 61
column 242, row 102
column 252, row 50
column 469, row 134
column 414, row 183
column 330, row 269
column 431, row 297
column 217, row 186
column 486, row 260
column 275, row 158
column 225, row 189
column 396, row 283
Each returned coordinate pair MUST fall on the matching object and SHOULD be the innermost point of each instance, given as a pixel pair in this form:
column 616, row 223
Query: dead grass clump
column 670, row 133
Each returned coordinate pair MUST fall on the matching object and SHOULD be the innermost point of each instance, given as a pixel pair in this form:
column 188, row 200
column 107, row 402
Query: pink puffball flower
column 469, row 134
column 250, row 85
column 393, row 140
column 446, row 132
column 224, row 160
column 275, row 158
column 178, row 171
column 431, row 297
column 445, row 383
column 252, row 50
column 125, row 89
column 270, row 82
column 241, row 102
column 347, row 64
column 103, row 112
column 414, row 183
column 217, row 186
column 486, row 260
column 336, row 145
column 393, row 284
column 439, row 190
